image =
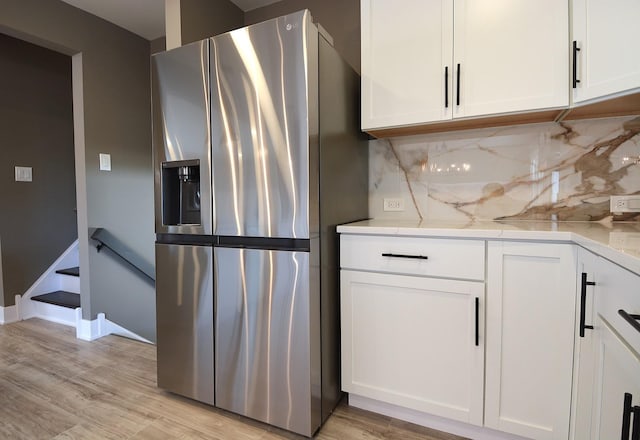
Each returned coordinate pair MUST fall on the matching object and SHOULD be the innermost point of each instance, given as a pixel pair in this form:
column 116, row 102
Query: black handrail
column 129, row 256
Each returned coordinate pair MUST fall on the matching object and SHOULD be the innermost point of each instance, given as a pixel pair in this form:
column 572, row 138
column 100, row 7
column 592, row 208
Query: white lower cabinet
column 497, row 355
column 414, row 342
column 608, row 355
column 530, row 338
column 617, row 376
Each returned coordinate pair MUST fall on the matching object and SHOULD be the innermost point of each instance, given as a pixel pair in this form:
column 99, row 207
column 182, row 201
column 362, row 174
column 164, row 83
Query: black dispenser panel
column 181, row 193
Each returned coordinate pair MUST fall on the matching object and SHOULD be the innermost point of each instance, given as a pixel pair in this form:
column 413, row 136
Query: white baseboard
column 9, row 314
column 430, row 421
column 51, row 312
column 91, row 330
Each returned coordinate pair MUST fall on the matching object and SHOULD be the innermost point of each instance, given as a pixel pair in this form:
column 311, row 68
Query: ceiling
column 143, row 17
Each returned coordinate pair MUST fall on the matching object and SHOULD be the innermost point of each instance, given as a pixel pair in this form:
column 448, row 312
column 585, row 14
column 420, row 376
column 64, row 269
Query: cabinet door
column 618, row 373
column 405, row 50
column 411, row 341
column 512, row 55
column 586, row 346
column 607, row 34
column 530, row 338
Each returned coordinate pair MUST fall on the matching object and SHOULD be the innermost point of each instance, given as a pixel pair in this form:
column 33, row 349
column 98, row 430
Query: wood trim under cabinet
column 621, row 106
column 468, row 124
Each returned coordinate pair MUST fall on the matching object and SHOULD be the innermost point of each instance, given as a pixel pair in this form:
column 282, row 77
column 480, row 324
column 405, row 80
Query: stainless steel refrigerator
column 283, row 162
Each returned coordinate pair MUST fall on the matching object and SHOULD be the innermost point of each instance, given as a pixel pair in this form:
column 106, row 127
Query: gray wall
column 341, row 18
column 201, row 19
column 38, row 221
column 111, row 115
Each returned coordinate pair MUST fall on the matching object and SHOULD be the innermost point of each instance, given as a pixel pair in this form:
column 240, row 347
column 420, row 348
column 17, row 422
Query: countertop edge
column 618, row 256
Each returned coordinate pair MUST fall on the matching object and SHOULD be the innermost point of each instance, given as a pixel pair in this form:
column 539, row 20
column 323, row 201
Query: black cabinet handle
column 626, row 417
column 583, row 303
column 446, row 86
column 414, row 257
column 576, row 49
column 477, row 321
column 458, row 86
column 635, row 434
column 631, row 319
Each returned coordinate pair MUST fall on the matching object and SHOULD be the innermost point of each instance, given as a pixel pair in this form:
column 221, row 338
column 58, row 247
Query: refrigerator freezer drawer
column 264, row 337
column 184, row 303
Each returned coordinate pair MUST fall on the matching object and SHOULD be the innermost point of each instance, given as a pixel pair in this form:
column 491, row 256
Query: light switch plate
column 105, row 162
column 24, row 174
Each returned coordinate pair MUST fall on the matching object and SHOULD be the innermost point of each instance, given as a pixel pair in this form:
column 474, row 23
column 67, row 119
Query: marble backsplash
column 552, row 171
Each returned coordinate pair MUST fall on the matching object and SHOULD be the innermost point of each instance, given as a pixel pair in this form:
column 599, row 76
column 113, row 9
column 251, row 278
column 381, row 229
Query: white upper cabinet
column 405, row 51
column 606, row 54
column 434, row 60
column 511, row 55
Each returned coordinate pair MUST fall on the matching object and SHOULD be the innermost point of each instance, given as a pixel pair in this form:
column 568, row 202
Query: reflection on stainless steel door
column 180, row 86
column 184, row 303
column 259, row 124
column 262, row 337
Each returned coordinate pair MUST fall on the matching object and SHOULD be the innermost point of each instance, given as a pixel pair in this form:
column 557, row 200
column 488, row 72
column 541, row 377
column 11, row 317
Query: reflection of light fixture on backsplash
column 633, row 159
column 450, row 169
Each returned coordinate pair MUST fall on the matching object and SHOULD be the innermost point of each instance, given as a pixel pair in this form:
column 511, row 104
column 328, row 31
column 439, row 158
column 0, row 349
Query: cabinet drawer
column 448, row 258
column 619, row 289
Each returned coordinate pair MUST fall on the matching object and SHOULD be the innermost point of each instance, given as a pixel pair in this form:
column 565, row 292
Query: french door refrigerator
column 288, row 164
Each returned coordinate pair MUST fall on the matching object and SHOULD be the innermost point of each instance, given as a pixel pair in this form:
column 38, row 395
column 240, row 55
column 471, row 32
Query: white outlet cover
column 24, row 174
column 393, row 204
column 105, row 162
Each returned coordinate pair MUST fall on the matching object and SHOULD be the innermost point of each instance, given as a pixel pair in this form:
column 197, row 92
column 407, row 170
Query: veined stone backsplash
column 552, row 171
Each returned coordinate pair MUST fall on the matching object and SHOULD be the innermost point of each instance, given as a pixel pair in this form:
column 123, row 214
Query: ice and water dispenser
column 181, row 193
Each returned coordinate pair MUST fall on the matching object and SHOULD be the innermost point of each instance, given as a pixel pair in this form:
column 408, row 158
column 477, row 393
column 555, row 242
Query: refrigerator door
column 260, row 129
column 263, row 333
column 184, row 303
column 181, row 133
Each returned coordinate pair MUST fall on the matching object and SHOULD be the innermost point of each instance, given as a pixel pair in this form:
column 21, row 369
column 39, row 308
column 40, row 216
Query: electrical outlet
column 620, row 204
column 396, row 204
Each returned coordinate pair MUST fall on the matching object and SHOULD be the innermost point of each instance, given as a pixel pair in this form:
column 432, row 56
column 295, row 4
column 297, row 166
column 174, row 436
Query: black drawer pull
column 446, row 86
column 576, row 49
column 458, row 86
column 477, row 321
column 583, row 301
column 631, row 319
column 626, row 417
column 414, row 257
column 635, row 434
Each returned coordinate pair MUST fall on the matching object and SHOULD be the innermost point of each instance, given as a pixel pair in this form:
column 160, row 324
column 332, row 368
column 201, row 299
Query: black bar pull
column 458, row 85
column 446, row 86
column 477, row 321
column 583, row 303
column 626, row 417
column 631, row 319
column 576, row 49
column 414, row 257
column 635, row 434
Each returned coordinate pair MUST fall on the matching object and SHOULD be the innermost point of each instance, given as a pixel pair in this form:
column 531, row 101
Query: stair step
column 60, row 298
column 72, row 271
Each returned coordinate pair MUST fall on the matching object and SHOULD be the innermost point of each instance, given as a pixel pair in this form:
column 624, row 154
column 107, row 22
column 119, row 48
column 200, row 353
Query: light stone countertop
column 616, row 241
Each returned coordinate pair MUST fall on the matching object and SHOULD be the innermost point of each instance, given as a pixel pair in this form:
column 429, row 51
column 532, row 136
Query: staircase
column 56, row 294
column 69, row 298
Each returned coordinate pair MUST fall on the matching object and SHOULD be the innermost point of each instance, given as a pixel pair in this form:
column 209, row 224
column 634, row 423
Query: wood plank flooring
column 54, row 386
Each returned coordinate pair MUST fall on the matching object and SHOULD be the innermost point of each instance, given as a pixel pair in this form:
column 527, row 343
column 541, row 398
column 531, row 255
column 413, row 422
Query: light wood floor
column 54, row 386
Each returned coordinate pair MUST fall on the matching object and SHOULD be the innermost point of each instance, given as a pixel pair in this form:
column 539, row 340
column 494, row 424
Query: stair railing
column 104, row 239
